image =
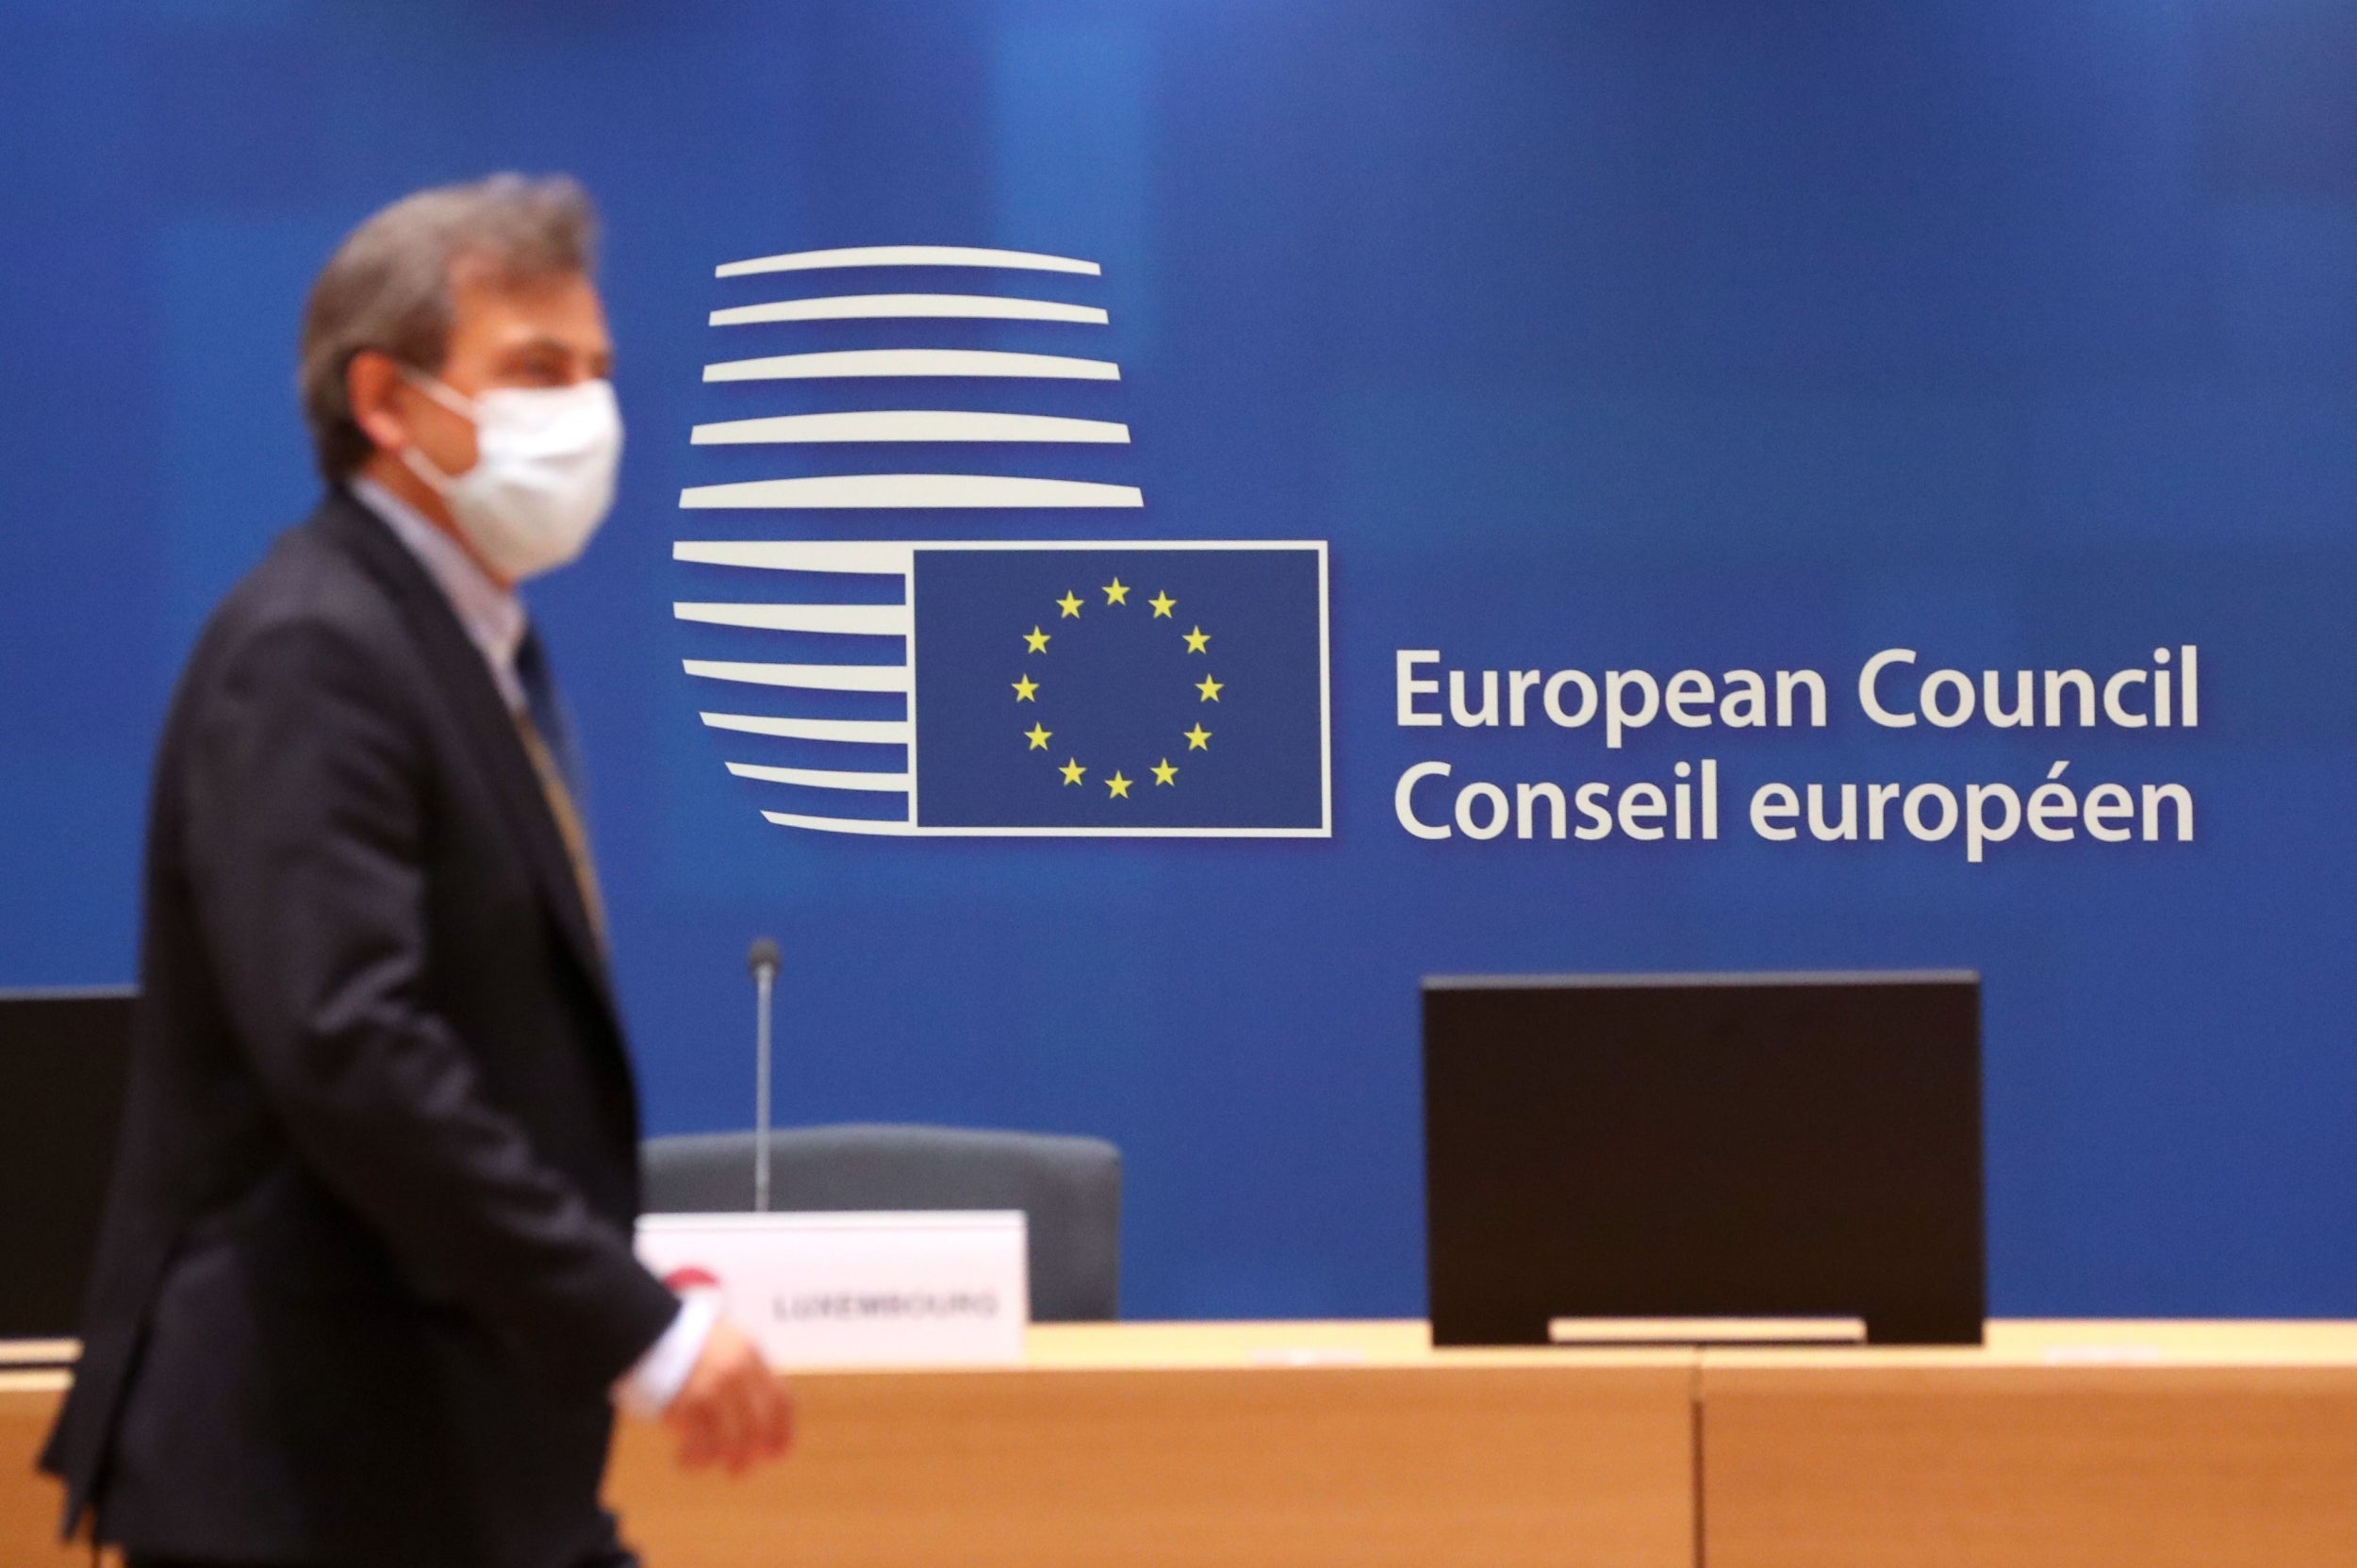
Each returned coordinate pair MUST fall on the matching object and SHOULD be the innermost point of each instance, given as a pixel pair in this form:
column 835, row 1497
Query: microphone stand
column 763, row 961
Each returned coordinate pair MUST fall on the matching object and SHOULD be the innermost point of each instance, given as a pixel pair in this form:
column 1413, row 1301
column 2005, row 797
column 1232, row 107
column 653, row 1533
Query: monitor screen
column 63, row 1056
column 1693, row 1158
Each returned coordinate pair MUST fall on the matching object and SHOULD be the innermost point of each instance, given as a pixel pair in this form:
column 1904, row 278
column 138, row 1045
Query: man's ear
column 372, row 385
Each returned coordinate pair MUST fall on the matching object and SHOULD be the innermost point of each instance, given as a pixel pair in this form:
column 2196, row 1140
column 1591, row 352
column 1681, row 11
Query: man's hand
column 734, row 1411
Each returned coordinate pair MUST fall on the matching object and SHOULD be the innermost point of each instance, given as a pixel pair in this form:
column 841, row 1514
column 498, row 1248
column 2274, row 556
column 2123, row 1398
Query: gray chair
column 1069, row 1190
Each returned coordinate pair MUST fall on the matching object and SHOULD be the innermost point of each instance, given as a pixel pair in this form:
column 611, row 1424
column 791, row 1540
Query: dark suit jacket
column 365, row 1272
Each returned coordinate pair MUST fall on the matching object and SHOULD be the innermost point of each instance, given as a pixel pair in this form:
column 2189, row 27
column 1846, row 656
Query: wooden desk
column 2153, row 1444
column 1231, row 1445
column 2112, row 1443
column 1139, row 1444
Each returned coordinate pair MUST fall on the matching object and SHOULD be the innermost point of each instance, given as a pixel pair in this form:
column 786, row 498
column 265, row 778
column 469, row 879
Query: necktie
column 548, row 742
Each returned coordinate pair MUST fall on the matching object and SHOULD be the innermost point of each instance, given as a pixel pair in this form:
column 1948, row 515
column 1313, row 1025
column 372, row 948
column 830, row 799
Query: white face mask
column 543, row 478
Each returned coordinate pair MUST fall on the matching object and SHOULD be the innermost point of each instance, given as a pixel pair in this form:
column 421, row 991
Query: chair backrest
column 1069, row 1190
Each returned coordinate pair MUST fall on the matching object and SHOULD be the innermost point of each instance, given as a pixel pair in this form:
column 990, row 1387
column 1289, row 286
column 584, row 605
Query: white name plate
column 921, row 1289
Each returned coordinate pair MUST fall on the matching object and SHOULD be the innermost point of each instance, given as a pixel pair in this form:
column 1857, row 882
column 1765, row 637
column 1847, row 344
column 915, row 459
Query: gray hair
column 389, row 285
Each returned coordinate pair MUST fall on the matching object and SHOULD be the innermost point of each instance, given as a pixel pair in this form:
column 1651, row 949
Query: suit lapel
column 457, row 667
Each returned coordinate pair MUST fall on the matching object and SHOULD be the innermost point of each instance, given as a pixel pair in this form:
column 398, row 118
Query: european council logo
column 1146, row 688
column 987, row 686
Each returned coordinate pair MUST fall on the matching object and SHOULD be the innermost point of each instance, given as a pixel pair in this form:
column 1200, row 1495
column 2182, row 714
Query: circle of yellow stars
column 1116, row 594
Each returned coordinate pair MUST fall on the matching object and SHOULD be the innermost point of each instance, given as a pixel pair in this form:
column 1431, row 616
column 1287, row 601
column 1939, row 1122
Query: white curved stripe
column 907, row 255
column 824, row 777
column 873, row 621
column 860, row 362
column 867, row 490
column 893, row 828
column 865, row 732
column 813, row 677
column 857, row 555
column 877, row 307
column 909, row 424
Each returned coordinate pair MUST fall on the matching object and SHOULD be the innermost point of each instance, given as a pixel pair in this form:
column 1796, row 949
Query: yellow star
column 1036, row 641
column 1198, row 640
column 1166, row 772
column 1024, row 688
column 1118, row 785
column 1162, row 604
column 1117, row 593
column 1072, row 771
column 1199, row 739
column 1037, row 734
column 1209, row 688
column 1071, row 602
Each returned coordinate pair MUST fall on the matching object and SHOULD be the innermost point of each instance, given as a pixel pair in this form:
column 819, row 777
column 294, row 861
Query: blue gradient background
column 1596, row 333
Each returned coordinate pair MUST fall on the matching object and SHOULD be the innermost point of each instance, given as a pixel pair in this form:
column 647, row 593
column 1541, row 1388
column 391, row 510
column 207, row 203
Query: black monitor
column 63, row 1057
column 1698, row 1158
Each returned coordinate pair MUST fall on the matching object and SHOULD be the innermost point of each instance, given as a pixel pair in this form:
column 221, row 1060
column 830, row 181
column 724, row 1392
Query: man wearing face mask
column 365, row 1292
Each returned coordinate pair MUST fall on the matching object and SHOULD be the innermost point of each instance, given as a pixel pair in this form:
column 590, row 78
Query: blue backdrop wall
column 1619, row 334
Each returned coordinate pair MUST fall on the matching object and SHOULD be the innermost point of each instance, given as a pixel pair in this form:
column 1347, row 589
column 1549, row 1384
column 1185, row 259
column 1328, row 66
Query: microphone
column 762, row 959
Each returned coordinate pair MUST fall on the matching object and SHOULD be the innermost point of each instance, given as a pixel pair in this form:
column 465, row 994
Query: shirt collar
column 492, row 616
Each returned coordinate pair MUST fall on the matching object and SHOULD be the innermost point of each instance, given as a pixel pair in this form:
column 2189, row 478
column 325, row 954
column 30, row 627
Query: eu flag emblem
column 1151, row 688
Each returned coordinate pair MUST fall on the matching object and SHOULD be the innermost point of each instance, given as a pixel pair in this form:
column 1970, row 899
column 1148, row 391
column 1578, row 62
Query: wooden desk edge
column 2116, row 1345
